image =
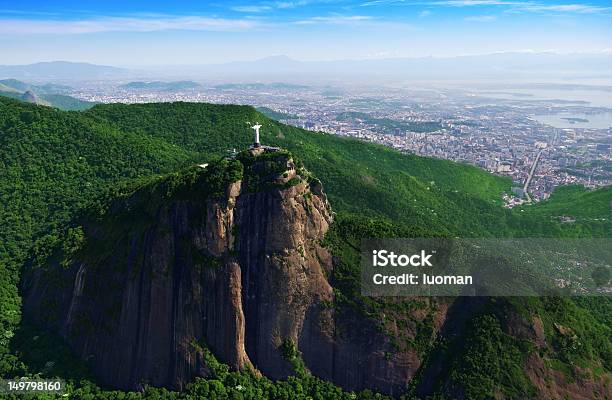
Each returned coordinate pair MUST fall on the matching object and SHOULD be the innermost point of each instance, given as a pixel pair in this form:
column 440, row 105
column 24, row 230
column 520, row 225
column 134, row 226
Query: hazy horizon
column 602, row 52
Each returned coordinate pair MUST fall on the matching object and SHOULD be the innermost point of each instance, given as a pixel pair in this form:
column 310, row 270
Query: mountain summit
column 30, row 97
column 226, row 257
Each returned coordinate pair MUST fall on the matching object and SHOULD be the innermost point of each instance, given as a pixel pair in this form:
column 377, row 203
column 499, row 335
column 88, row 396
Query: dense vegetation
column 55, row 164
column 390, row 126
column 277, row 115
column 577, row 202
column 449, row 197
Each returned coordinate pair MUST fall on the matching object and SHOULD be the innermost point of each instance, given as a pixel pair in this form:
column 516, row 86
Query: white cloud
column 23, row 26
column 270, row 6
column 425, row 13
column 335, row 19
column 530, row 6
column 11, row 11
column 511, row 5
column 563, row 8
column 290, row 4
column 481, row 18
column 251, row 9
column 468, row 3
column 447, row 3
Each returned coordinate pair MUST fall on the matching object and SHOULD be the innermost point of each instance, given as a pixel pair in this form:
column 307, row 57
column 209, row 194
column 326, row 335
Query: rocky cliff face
column 30, row 97
column 228, row 260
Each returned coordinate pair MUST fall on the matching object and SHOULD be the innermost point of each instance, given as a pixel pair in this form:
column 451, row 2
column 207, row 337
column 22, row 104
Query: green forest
column 56, row 165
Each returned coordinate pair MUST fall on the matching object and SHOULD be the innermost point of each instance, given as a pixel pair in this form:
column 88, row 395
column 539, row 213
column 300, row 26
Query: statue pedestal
column 255, row 151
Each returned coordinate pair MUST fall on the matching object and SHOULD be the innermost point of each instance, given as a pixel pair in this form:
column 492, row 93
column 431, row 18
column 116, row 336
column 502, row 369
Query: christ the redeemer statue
column 256, row 128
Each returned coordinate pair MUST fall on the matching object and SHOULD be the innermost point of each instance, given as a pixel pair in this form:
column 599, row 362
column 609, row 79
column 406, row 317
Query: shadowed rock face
column 30, row 97
column 238, row 273
column 229, row 258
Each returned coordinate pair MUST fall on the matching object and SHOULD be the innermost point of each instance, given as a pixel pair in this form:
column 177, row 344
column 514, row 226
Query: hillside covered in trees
column 57, row 165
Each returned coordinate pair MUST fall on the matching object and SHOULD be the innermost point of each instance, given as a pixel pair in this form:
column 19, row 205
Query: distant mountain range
column 499, row 66
column 496, row 66
column 47, row 94
column 14, row 84
column 60, row 70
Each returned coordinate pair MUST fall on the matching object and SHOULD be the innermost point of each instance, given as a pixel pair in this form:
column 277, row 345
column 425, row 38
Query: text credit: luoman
column 384, row 258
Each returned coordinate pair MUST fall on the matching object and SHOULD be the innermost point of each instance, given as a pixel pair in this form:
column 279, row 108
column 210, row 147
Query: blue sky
column 157, row 32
